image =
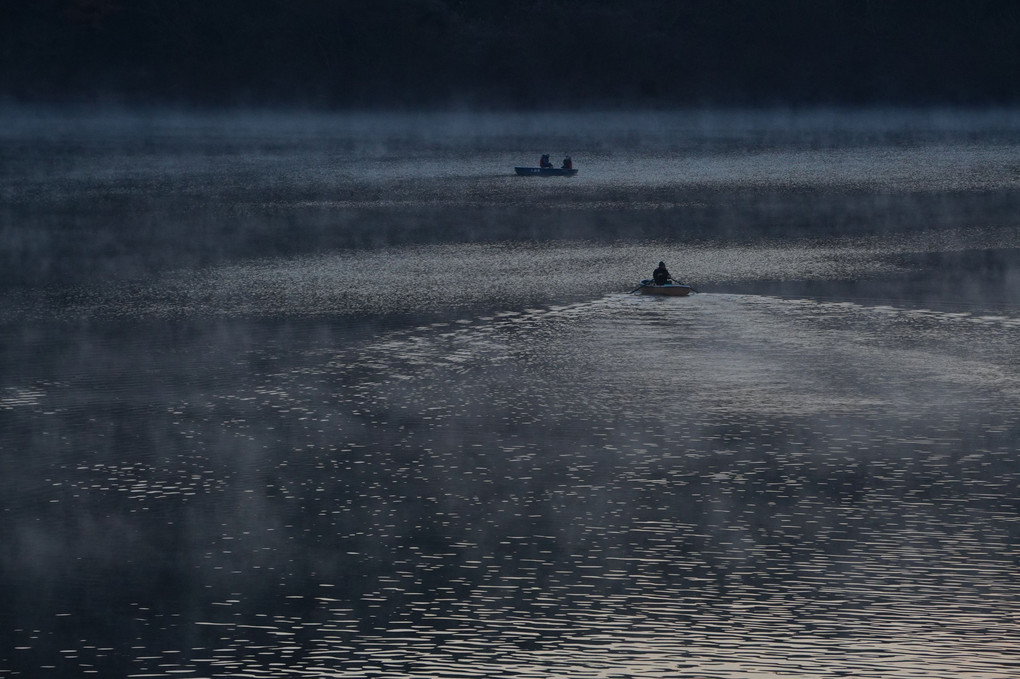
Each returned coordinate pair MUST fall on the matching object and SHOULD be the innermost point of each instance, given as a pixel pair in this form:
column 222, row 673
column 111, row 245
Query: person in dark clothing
column 661, row 275
column 545, row 162
column 568, row 164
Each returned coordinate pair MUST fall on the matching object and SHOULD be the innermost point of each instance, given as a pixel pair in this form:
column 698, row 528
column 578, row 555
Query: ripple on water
column 718, row 486
column 442, row 279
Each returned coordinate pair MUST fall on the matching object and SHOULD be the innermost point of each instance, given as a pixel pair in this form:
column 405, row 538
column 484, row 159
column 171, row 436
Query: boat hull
column 545, row 172
column 669, row 290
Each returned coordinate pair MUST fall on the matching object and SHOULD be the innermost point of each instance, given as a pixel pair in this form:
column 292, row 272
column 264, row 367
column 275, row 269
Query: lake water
column 341, row 396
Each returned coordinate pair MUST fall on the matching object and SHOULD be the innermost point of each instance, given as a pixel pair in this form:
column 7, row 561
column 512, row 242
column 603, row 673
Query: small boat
column 674, row 289
column 545, row 171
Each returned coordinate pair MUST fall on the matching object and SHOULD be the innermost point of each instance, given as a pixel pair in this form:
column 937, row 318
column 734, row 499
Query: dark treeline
column 503, row 53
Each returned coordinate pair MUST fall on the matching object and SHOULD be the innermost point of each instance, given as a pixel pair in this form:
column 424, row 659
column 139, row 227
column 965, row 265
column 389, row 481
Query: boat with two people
column 547, row 169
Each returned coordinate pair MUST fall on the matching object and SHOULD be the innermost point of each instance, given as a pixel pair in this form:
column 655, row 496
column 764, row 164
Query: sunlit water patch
column 722, row 486
column 14, row 397
column 442, row 279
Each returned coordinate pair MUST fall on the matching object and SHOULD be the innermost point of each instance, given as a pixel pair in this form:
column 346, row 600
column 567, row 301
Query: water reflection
column 88, row 196
column 721, row 485
column 335, row 396
column 967, row 269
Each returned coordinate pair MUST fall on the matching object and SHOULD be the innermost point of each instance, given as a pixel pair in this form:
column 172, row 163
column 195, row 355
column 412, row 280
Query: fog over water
column 340, row 395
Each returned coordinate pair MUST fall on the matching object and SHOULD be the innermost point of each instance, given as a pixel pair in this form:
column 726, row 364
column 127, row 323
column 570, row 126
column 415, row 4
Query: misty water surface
column 342, row 396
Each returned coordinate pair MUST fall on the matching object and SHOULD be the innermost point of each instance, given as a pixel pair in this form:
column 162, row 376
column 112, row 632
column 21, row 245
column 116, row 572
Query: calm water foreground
column 341, row 396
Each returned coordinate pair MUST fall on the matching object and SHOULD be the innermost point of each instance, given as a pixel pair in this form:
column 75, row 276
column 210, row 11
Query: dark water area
column 288, row 395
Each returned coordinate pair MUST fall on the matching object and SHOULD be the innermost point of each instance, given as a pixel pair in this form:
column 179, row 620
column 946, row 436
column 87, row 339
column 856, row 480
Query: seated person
column 661, row 275
column 545, row 162
column 568, row 164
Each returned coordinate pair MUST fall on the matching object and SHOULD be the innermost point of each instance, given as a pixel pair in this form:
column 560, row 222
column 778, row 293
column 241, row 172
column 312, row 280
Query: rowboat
column 545, row 171
column 648, row 287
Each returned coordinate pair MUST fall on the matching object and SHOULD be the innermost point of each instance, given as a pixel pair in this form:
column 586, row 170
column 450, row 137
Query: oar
column 646, row 283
